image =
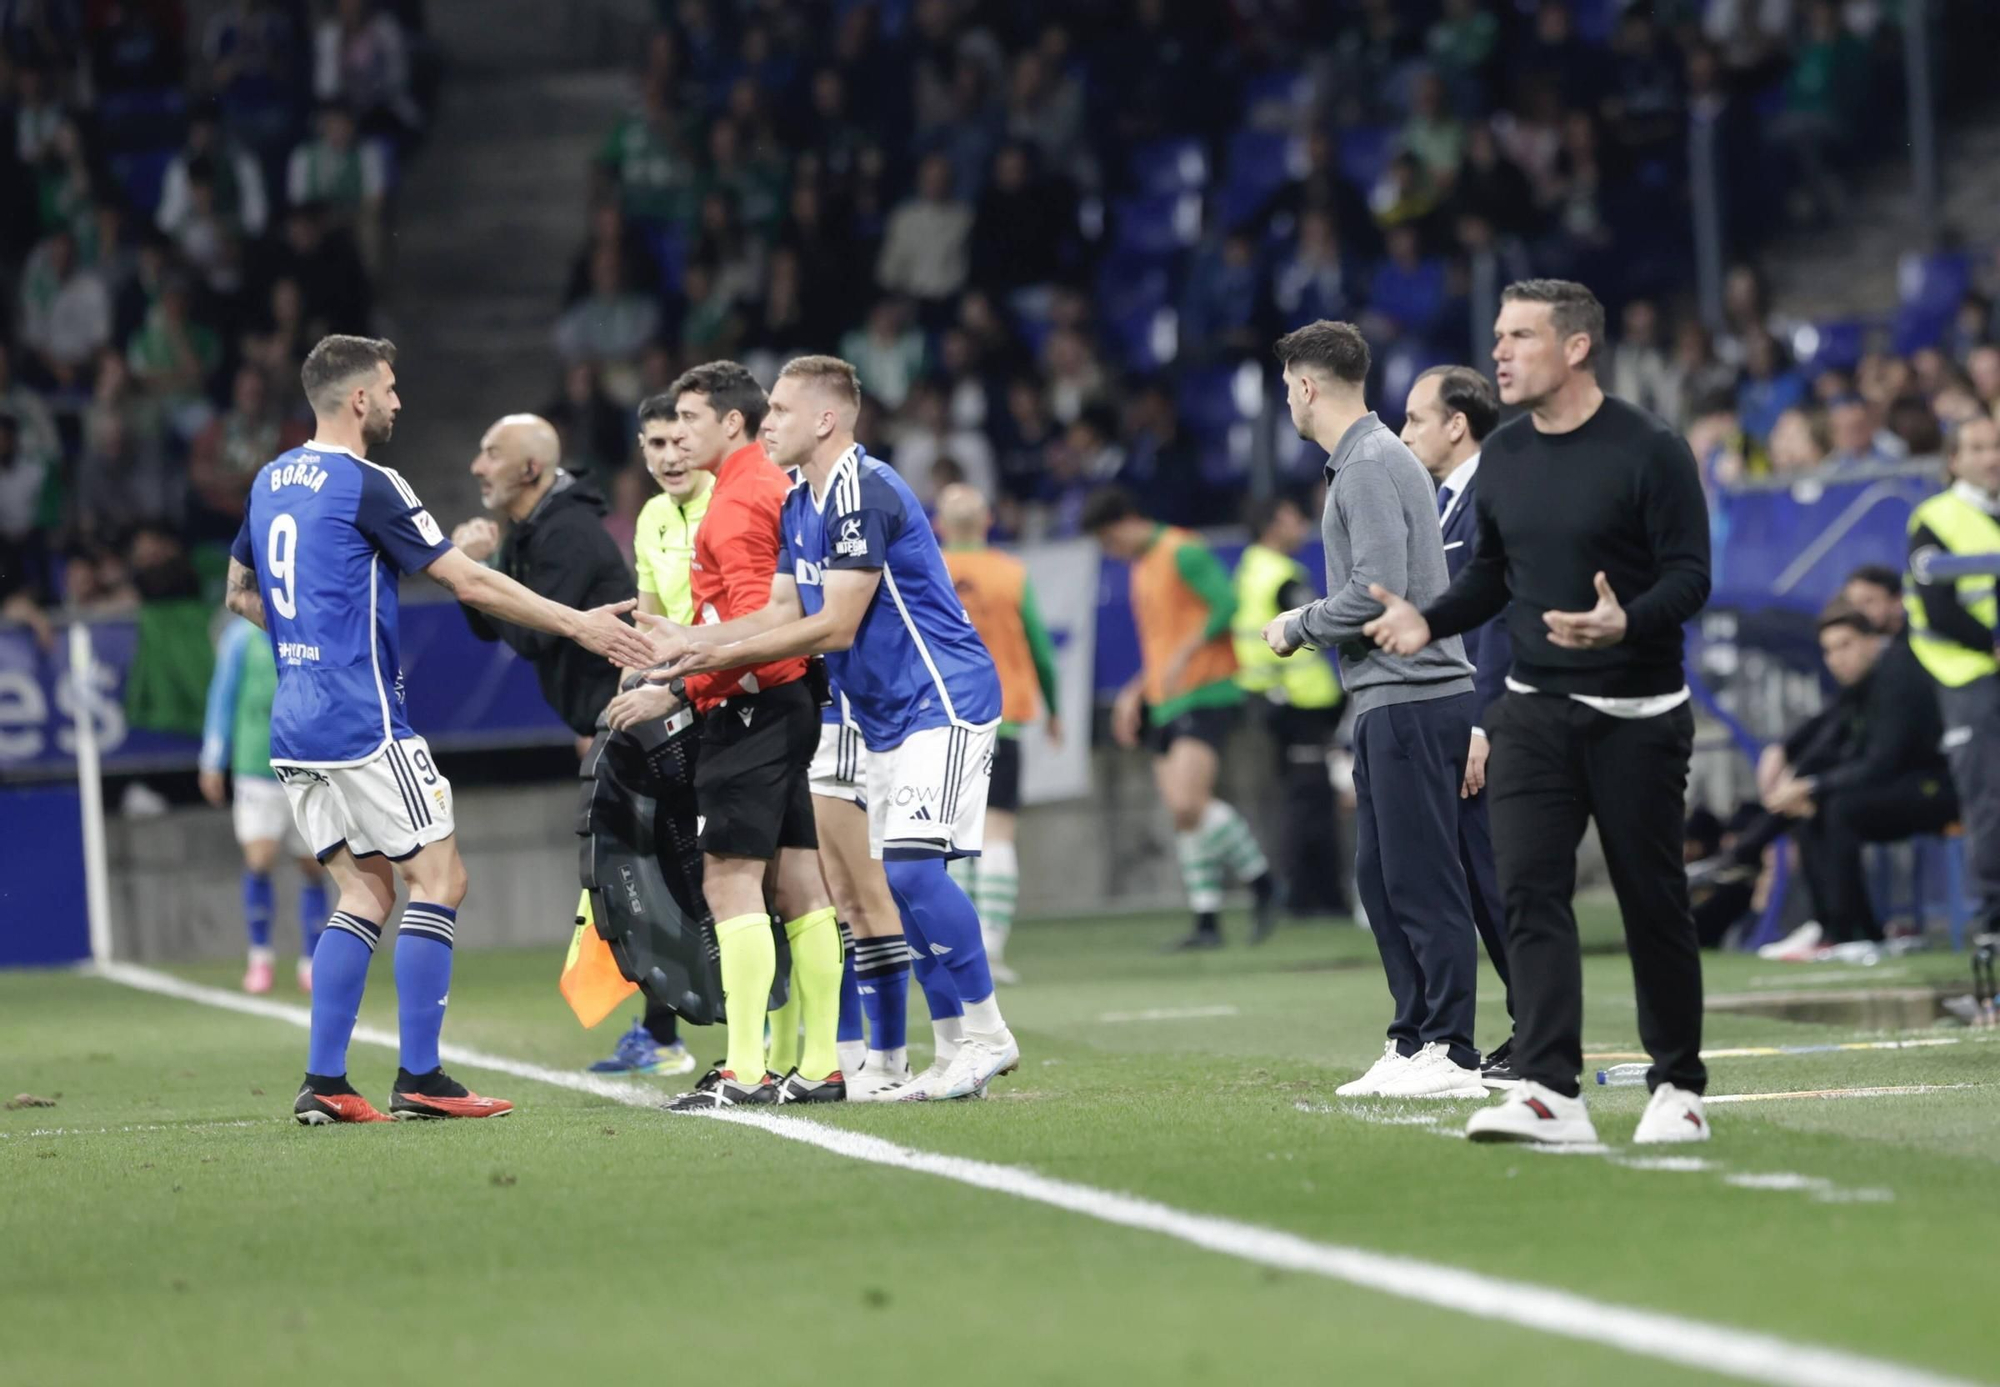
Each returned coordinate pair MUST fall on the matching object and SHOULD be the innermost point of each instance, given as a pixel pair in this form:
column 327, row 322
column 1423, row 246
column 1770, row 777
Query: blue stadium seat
column 1365, row 150
column 1277, row 100
column 1147, row 337
column 1159, row 224
column 669, row 248
column 141, row 175
column 1835, row 345
column 140, row 120
column 1260, row 163
column 1169, row 167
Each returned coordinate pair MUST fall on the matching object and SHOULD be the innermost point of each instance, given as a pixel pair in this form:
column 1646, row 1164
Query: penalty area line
column 1740, row 1353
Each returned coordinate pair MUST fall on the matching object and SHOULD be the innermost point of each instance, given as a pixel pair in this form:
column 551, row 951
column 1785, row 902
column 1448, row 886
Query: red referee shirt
column 735, row 554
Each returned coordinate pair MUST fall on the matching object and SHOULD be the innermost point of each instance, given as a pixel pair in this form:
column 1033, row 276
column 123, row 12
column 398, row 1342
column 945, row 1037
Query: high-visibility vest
column 1961, row 528
column 1168, row 612
column 1305, row 680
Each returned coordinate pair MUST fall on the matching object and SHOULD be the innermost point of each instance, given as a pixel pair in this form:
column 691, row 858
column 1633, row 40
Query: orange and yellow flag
column 591, row 982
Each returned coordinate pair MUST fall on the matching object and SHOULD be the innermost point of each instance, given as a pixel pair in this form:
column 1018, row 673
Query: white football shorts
column 391, row 805
column 927, row 797
column 262, row 811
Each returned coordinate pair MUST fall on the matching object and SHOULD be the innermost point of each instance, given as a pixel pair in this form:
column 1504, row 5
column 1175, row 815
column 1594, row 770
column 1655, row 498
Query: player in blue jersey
column 861, row 580
column 325, row 537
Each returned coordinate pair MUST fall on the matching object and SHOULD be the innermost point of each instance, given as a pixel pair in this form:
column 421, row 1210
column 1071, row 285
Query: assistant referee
column 1593, row 535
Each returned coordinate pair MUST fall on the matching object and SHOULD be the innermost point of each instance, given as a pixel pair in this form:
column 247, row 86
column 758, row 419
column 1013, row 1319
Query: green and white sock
column 1201, row 871
column 1229, row 839
column 995, row 887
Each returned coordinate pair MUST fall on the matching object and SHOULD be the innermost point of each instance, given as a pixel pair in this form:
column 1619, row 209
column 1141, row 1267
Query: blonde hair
column 831, row 372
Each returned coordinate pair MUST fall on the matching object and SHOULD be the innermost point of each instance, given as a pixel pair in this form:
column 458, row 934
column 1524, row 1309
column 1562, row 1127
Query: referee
column 1593, row 536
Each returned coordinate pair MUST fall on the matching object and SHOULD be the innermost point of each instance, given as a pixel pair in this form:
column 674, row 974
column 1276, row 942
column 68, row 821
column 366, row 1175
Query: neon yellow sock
column 784, row 1055
column 815, row 943
column 749, row 962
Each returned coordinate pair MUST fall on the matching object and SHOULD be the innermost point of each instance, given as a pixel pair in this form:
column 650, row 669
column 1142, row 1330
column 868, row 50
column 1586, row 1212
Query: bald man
column 1001, row 602
column 555, row 544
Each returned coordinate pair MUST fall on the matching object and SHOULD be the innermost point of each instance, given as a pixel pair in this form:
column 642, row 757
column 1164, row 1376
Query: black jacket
column 1878, row 732
column 562, row 552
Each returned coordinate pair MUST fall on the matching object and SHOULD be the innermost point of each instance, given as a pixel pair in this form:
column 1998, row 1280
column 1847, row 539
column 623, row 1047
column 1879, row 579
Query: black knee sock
column 662, row 1024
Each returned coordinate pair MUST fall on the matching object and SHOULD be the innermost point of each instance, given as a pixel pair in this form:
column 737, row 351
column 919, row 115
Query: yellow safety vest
column 1305, row 680
column 1961, row 528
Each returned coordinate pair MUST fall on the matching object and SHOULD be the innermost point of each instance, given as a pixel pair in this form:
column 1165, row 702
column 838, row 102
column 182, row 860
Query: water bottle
column 1622, row 1075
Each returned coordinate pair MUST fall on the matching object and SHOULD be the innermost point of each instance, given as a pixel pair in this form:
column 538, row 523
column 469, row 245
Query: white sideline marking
column 1715, row 1348
column 1169, row 1014
column 1889, row 1091
column 141, row 1127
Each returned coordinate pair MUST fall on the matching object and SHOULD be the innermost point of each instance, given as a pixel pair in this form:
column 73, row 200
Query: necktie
column 1444, row 500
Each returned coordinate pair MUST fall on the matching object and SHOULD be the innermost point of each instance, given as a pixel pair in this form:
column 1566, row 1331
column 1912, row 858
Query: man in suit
column 1450, row 409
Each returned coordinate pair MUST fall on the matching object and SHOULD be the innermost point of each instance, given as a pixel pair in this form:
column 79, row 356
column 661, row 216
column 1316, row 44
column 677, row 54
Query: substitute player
column 997, row 595
column 1183, row 603
column 862, row 582
column 325, row 536
column 760, row 727
column 237, row 735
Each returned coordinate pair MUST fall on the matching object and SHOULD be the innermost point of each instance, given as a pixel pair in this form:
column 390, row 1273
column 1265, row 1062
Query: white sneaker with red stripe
column 1532, row 1112
column 1674, row 1114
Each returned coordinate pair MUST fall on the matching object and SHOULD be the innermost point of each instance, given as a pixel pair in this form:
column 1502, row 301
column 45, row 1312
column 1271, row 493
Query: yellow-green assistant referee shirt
column 663, row 550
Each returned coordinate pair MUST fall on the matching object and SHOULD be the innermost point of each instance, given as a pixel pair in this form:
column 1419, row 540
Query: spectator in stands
column 1641, row 370
column 1219, row 308
column 1407, row 295
column 207, row 240
column 23, row 543
column 172, row 357
column 1022, row 226
column 926, row 252
column 593, row 431
column 1312, row 282
column 361, row 59
column 38, row 113
column 926, row 435
column 1914, row 425
column 1982, row 366
column 1855, row 444
column 645, row 159
column 1769, row 388
column 1824, row 94
column 257, row 67
column 611, row 326
column 1876, row 591
column 609, row 228
column 123, row 478
column 1162, row 460
column 1643, row 104
column 1798, row 442
column 1868, row 769
column 1462, row 42
column 281, row 337
column 65, row 310
column 348, row 178
column 225, row 456
column 236, row 181
column 888, row 352
column 36, row 439
column 1026, row 436
column 1076, row 377
column 1045, row 112
column 753, row 182
column 1404, row 194
column 1432, row 134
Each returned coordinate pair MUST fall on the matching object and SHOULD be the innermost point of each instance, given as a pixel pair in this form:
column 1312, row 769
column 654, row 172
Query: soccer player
column 1001, row 602
column 663, row 552
column 324, row 539
column 861, row 581
column 1183, row 603
column 760, row 728
column 237, row 735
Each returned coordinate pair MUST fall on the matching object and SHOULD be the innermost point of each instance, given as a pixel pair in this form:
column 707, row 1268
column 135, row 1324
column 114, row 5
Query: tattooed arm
column 242, row 597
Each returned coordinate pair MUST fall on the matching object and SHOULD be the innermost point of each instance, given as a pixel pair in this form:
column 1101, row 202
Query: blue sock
column 340, row 975
column 312, row 915
column 940, row 992
column 882, row 976
column 849, row 1028
column 423, row 980
column 936, row 908
column 257, row 899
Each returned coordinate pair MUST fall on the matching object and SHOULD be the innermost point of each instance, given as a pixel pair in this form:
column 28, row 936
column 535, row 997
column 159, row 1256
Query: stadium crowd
column 184, row 210
column 1052, row 235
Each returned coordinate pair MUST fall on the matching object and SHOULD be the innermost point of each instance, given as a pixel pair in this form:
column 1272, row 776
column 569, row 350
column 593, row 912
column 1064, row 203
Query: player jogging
column 997, row 595
column 237, row 735
column 861, row 581
column 1186, row 689
column 324, row 539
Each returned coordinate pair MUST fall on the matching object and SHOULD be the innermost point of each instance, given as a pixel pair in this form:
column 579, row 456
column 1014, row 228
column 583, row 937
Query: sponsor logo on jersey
column 428, row 527
column 305, row 472
column 852, row 542
column 807, row 574
column 297, row 652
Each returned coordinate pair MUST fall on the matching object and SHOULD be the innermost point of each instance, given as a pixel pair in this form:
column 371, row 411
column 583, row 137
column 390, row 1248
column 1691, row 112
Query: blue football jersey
column 328, row 534
column 916, row 662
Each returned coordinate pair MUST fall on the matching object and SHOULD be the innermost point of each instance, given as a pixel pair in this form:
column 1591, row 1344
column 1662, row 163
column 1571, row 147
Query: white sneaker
column 1001, row 973
column 1533, row 1112
column 1432, row 1073
column 980, row 1060
column 877, row 1085
column 1674, row 1114
column 1370, row 1085
column 1801, row 944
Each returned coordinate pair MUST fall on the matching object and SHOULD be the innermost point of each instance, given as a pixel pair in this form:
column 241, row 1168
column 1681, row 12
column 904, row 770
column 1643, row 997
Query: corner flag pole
column 90, row 790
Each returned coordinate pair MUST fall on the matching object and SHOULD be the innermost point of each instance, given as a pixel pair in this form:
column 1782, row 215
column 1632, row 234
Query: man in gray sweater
column 1412, row 717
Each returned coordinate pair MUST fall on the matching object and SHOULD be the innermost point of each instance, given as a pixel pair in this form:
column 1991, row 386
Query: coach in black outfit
column 1593, row 536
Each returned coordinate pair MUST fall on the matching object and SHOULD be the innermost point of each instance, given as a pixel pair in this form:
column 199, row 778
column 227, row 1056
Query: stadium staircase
column 490, row 219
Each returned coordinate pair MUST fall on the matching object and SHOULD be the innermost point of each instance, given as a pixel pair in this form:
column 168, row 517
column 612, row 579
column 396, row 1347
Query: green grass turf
column 581, row 1241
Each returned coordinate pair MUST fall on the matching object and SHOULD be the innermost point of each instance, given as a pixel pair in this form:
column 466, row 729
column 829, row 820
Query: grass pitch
column 167, row 1223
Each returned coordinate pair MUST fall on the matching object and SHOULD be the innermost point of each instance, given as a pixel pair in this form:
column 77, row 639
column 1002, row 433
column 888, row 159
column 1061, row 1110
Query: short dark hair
column 1106, row 507
column 661, row 406
column 1338, row 349
column 1838, row 613
column 336, row 360
column 1462, row 390
column 1573, row 309
column 1877, row 575
column 728, row 385
column 1259, row 514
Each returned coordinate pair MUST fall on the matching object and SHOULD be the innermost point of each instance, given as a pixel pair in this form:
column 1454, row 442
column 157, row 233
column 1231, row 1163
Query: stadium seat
column 1936, row 862
column 1835, row 345
column 1929, row 287
column 141, row 175
column 1277, row 100
column 1208, row 405
column 1156, row 224
column 140, row 120
column 1365, row 151
column 1169, row 167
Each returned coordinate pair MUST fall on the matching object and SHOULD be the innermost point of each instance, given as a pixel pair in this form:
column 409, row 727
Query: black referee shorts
column 750, row 782
column 1003, row 792
column 1210, row 726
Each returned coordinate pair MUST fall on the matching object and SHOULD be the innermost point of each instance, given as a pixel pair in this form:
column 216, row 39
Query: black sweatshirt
column 1617, row 495
column 562, row 552
column 1891, row 726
